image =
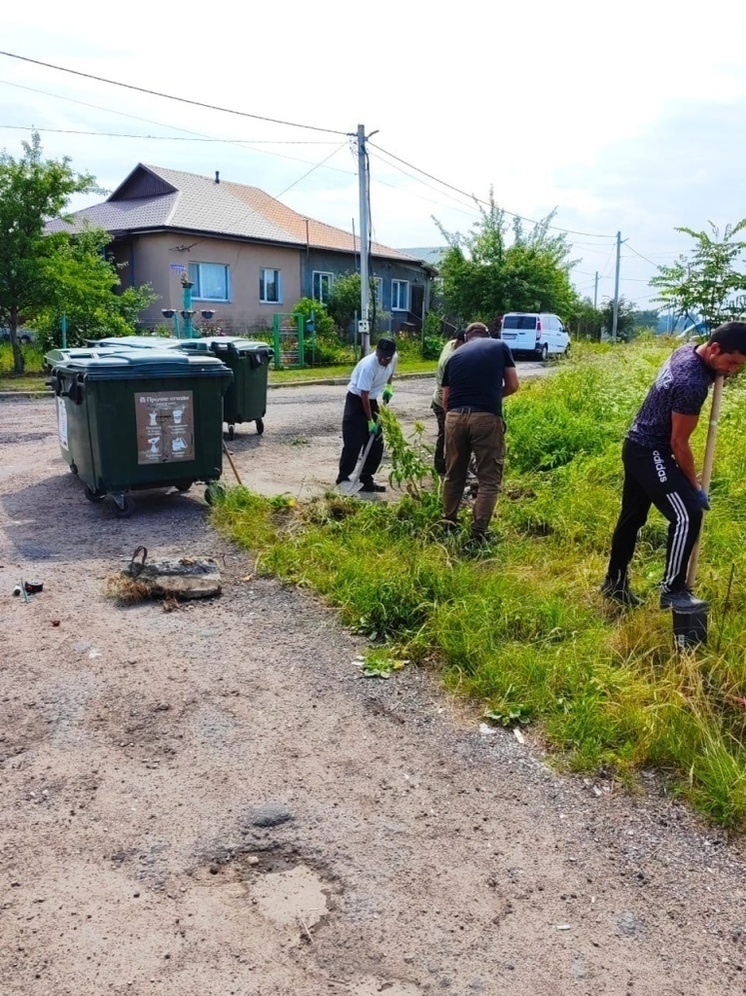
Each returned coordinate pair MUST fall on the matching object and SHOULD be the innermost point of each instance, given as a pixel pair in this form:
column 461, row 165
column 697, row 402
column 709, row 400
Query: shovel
column 690, row 628
column 353, row 484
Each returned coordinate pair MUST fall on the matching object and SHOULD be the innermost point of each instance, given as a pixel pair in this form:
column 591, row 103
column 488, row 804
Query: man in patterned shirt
column 659, row 466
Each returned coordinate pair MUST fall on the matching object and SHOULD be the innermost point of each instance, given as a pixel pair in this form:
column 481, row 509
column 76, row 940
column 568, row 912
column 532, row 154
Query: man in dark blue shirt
column 659, row 465
column 476, row 378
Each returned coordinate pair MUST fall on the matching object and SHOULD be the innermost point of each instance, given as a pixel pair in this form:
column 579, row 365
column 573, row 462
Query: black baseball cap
column 386, row 347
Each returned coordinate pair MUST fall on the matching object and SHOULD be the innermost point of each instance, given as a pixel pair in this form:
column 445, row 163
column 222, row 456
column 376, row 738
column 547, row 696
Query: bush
column 432, row 337
column 322, row 320
column 324, row 346
column 344, row 300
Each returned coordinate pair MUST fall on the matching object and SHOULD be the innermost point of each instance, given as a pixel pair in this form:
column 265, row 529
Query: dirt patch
column 211, row 800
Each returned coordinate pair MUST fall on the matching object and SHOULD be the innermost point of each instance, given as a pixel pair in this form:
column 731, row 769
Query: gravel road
column 213, row 801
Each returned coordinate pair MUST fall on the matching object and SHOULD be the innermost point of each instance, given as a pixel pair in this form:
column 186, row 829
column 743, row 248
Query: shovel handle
column 709, row 458
column 233, row 466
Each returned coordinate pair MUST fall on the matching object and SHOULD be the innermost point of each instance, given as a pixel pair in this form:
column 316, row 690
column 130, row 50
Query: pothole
column 277, row 882
column 290, row 897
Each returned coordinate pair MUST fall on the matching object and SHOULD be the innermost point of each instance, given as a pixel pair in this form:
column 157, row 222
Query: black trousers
column 354, row 437
column 652, row 477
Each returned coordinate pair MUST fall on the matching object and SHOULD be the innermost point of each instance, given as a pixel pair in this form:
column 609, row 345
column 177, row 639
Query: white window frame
column 329, row 281
column 396, row 295
column 277, row 280
column 197, row 294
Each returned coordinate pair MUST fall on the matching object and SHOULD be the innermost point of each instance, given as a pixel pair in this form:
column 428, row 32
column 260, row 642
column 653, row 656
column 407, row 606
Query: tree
column 587, row 322
column 472, row 269
column 625, row 328
column 537, row 270
column 704, row 282
column 32, row 191
column 646, row 319
column 344, row 302
column 482, row 275
column 81, row 285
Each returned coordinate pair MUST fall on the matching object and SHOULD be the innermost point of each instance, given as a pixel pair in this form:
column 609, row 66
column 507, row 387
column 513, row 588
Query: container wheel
column 260, row 425
column 183, row 485
column 126, row 509
column 73, row 468
column 213, row 492
column 93, row 495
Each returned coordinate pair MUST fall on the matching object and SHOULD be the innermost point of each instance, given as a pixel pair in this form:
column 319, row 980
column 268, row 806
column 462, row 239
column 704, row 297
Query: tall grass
column 520, row 627
column 32, row 355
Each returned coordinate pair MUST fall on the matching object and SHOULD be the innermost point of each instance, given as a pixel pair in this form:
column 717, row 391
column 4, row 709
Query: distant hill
column 431, row 255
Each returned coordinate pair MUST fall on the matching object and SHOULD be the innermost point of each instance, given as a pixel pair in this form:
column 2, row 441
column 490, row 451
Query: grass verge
column 33, row 377
column 518, row 626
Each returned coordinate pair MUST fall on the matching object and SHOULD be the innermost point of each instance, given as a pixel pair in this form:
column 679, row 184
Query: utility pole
column 363, row 324
column 595, row 293
column 615, row 319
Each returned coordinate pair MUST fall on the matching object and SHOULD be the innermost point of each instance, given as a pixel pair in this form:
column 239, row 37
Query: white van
column 542, row 335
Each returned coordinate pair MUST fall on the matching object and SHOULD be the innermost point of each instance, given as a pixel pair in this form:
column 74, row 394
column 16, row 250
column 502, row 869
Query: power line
column 311, row 170
column 404, row 172
column 567, row 231
column 468, row 211
column 641, row 256
column 258, row 117
column 160, row 138
column 606, row 264
column 169, row 96
column 194, row 135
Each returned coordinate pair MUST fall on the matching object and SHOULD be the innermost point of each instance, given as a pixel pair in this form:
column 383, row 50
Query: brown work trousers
column 481, row 434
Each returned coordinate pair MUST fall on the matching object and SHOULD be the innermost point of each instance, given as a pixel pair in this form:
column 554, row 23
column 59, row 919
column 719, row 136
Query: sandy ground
column 212, row 801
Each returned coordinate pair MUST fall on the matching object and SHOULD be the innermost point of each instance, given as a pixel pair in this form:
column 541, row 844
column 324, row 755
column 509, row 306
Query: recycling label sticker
column 62, row 423
column 165, row 426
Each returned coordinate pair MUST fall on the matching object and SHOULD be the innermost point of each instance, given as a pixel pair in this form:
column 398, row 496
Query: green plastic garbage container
column 135, row 419
column 246, row 398
column 65, row 407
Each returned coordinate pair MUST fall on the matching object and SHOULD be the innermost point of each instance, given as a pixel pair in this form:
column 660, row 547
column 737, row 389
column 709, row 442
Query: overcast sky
column 624, row 119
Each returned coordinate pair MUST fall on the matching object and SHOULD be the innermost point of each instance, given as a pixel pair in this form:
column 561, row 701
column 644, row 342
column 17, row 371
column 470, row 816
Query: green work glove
column 372, row 427
column 388, row 393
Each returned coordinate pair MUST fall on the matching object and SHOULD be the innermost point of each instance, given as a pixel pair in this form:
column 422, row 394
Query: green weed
column 520, row 628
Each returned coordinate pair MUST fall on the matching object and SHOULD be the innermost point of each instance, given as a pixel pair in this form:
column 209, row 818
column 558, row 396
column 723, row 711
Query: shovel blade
column 349, row 488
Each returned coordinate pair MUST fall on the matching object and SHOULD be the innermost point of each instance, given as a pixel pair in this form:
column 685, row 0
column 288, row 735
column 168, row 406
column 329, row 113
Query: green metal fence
column 294, row 340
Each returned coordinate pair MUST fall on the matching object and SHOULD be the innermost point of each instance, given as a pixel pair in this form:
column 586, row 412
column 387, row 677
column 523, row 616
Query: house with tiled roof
column 247, row 255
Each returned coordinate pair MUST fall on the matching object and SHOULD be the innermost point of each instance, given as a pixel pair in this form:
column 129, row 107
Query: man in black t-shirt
column 659, row 465
column 476, row 378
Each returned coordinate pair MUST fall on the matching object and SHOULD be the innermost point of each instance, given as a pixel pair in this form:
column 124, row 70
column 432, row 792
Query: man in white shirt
column 370, row 380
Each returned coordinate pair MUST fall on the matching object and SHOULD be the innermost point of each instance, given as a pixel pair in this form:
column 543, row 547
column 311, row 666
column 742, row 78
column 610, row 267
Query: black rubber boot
column 618, row 590
column 682, row 600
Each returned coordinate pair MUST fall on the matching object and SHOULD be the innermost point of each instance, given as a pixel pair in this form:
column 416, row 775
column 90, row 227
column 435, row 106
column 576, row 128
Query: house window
column 400, row 295
column 211, row 281
column 322, row 285
column 377, row 286
column 269, row 286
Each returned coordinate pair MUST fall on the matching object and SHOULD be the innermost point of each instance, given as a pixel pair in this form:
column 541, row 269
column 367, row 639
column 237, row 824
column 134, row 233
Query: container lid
column 127, row 364
column 205, row 344
column 54, row 356
column 136, row 342
column 239, row 345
